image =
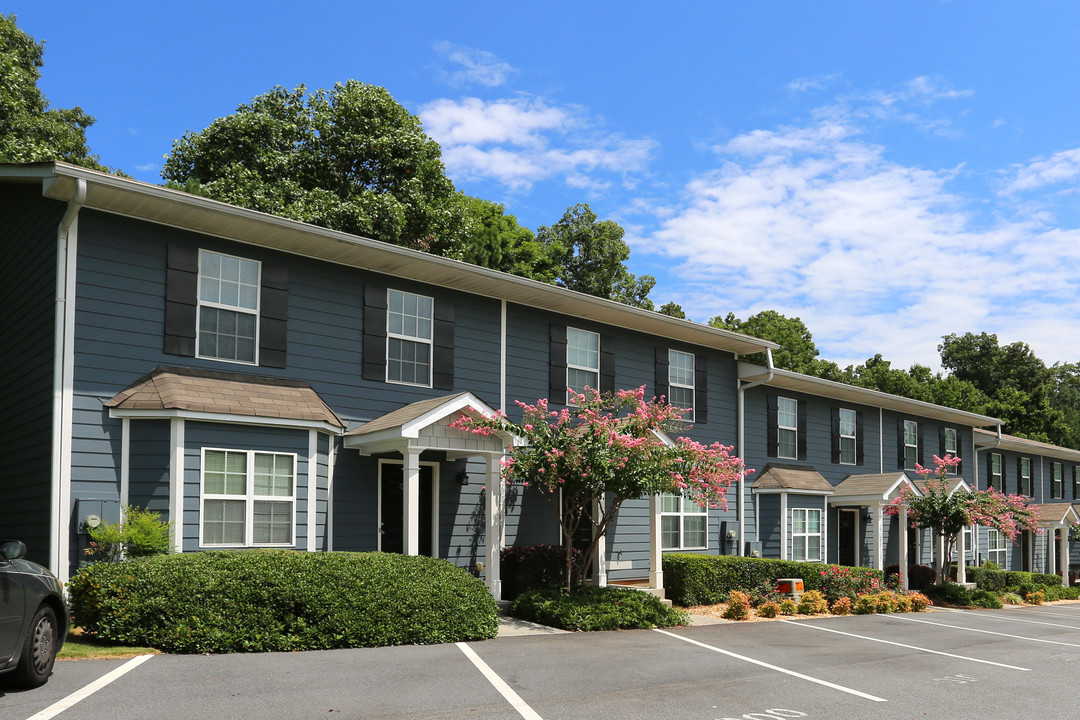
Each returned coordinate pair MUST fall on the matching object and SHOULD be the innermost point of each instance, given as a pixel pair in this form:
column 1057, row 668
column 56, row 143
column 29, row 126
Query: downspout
column 63, row 383
column 742, row 445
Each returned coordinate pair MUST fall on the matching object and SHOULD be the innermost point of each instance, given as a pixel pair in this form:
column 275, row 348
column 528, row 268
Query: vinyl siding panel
column 149, row 474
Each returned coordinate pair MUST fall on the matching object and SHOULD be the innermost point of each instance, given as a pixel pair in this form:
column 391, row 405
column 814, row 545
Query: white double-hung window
column 787, row 427
column 996, row 479
column 248, row 498
column 408, row 338
column 997, row 550
column 582, row 359
column 1057, row 480
column 805, row 534
column 681, row 382
column 228, row 307
column 911, row 444
column 847, row 436
column 683, row 523
column 1024, row 485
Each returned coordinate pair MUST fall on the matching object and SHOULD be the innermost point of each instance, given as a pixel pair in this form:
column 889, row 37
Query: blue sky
column 888, row 172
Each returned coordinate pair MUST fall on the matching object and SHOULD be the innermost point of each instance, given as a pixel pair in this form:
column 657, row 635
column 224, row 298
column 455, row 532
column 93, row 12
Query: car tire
column 39, row 650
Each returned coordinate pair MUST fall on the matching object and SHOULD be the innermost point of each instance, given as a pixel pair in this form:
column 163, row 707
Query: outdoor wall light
column 463, row 477
column 869, row 517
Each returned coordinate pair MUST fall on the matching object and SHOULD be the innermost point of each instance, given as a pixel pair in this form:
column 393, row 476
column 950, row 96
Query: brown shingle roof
column 791, row 477
column 211, row 391
column 402, row 415
column 867, row 484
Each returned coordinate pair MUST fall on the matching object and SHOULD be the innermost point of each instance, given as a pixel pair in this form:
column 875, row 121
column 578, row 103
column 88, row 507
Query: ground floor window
column 805, row 534
column 996, row 550
column 248, row 498
column 683, row 523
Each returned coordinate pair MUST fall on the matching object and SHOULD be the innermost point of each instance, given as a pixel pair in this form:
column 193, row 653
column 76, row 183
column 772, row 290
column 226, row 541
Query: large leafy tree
column 497, row 241
column 350, row 158
column 797, row 349
column 31, row 130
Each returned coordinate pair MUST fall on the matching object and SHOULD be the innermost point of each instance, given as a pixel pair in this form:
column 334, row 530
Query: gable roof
column 777, row 476
column 990, row 440
column 877, row 487
column 1056, row 513
column 209, row 393
column 131, row 198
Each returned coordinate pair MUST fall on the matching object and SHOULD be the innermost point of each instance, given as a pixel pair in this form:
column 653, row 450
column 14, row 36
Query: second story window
column 228, row 307
column 1024, row 484
column 1076, row 482
column 911, row 444
column 408, row 338
column 1057, row 480
column 848, row 429
column 787, row 427
column 995, row 478
column 681, row 382
column 582, row 359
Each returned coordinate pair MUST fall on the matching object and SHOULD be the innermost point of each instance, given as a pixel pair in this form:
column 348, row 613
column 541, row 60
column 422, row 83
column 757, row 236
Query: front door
column 846, row 536
column 392, row 511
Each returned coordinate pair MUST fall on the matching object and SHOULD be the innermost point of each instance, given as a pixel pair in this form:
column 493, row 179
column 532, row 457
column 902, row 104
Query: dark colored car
column 33, row 617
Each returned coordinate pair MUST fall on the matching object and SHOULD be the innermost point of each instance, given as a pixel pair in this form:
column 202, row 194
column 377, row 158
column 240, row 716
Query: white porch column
column 879, row 541
column 1063, row 553
column 176, row 484
column 903, row 547
column 961, row 555
column 493, row 536
column 656, row 554
column 600, row 560
column 1051, row 548
column 939, row 551
column 411, row 501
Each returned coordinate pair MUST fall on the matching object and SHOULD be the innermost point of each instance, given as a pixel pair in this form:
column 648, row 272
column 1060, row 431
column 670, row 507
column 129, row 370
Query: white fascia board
column 990, row 441
column 224, row 418
column 792, row 491
column 900, row 481
column 412, row 428
column 1063, row 519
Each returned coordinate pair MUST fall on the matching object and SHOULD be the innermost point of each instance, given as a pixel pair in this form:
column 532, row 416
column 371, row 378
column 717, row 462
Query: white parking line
column 505, row 690
column 910, row 647
column 1015, row 619
column 62, row 705
column 985, row 632
column 834, row 686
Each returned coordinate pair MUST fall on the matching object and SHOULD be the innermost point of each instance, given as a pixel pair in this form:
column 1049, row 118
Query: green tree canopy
column 672, row 309
column 797, row 352
column 31, row 131
column 497, row 241
column 350, row 158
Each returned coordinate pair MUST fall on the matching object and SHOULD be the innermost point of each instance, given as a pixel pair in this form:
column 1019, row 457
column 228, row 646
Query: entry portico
column 874, row 492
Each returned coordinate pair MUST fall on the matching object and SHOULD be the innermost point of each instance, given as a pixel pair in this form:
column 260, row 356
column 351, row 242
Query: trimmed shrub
column 1011, row 598
column 738, row 606
column 887, row 602
column 272, row 600
column 985, row 599
column 812, row 602
column 763, row 593
column 903, row 603
column 949, row 594
column 691, row 579
column 533, row 567
column 919, row 602
column 1048, row 579
column 921, row 577
column 768, row 609
column 985, row 578
column 1017, row 578
column 597, row 608
column 865, row 605
column 842, row 606
column 1035, row 598
column 788, row 607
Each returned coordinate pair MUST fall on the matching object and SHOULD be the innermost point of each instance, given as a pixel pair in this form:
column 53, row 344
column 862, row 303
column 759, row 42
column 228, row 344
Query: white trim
column 794, row 429
column 249, row 498
column 854, row 435
column 502, row 354
column 692, row 387
column 881, row 441
column 169, row 413
column 682, row 515
column 783, row 528
column 570, row 366
column 125, row 464
column 176, row 485
column 199, row 303
column 434, row 504
column 806, row 534
column 793, row 491
column 331, row 452
column 915, row 460
column 312, row 502
column 430, row 341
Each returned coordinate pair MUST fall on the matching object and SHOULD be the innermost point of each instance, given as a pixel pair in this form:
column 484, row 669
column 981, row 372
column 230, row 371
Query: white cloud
column 147, row 167
column 520, row 141
column 478, row 67
column 811, row 83
column 1060, row 167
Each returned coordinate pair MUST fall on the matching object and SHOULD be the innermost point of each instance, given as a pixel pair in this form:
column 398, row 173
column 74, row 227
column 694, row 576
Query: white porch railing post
column 411, row 501
column 903, row 547
column 493, row 536
column 656, row 554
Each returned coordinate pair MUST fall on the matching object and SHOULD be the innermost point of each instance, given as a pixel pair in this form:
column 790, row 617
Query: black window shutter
column 660, row 379
column 607, row 364
column 273, row 316
column 860, row 456
column 374, row 361
column 442, row 360
column 941, row 442
column 989, row 471
column 800, row 415
column 701, row 389
column 772, row 436
column 921, row 440
column 959, row 445
column 181, row 300
column 1019, row 477
column 557, row 364
column 834, row 416
column 900, row 443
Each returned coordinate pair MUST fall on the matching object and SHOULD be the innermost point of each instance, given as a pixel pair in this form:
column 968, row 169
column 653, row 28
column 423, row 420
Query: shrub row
column 1000, row 580
column 920, row 577
column 597, row 608
column 707, row 579
column 256, row 601
column 533, row 567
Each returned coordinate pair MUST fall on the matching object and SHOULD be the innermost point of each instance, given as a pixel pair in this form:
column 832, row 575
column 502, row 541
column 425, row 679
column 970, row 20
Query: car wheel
column 39, row 650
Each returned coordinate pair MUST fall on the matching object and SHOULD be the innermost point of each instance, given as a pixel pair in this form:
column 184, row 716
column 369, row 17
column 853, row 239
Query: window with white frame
column 1076, row 482
column 681, row 381
column 911, row 444
column 996, row 548
column 996, row 478
column 228, row 307
column 805, row 534
column 683, row 523
column 1024, row 485
column 847, row 436
column 408, row 338
column 248, row 498
column 1057, row 480
column 787, row 427
column 952, row 445
column 582, row 359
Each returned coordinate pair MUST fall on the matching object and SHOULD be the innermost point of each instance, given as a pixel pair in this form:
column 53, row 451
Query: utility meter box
column 753, row 549
column 790, row 587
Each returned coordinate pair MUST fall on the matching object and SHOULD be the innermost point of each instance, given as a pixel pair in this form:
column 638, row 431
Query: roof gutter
column 67, row 236
column 742, row 388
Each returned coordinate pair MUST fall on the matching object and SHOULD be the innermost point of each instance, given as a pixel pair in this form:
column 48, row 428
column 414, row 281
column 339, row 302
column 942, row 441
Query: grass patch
column 79, row 647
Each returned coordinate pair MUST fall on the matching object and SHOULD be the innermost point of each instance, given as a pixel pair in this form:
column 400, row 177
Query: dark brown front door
column 846, row 536
column 392, row 513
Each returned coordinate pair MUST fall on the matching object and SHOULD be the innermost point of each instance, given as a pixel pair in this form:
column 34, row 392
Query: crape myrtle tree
column 602, row 450
column 946, row 513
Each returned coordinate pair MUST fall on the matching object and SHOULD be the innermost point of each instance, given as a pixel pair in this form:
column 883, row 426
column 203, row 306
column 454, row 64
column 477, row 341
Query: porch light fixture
column 869, row 517
column 463, row 477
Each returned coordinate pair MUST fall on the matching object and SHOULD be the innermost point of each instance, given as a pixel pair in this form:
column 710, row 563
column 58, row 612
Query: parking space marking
column 61, row 705
column 985, row 632
column 910, row 647
column 1029, row 611
column 505, row 690
column 799, row 675
column 1016, row 619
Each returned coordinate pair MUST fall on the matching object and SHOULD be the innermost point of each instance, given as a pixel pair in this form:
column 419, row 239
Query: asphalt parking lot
column 943, row 664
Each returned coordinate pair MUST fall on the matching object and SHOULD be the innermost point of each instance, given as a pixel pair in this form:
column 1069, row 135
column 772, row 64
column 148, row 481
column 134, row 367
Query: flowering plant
column 602, row 450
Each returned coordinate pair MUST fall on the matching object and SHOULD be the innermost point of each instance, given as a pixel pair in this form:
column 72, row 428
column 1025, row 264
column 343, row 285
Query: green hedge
column 707, row 579
column 597, row 608
column 256, row 601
